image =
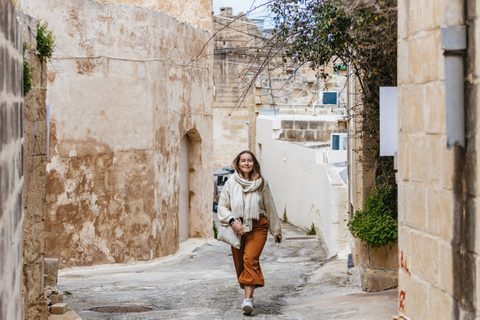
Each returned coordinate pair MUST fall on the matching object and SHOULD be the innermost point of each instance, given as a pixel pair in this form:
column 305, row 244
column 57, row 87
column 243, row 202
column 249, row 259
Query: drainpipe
column 454, row 44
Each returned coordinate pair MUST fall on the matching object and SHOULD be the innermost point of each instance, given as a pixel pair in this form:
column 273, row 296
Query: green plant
column 45, row 40
column 284, row 218
column 215, row 230
column 312, row 231
column 68, row 293
column 27, row 74
column 376, row 223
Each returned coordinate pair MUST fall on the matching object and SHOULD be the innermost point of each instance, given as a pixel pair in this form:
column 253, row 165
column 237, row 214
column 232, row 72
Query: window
column 329, row 98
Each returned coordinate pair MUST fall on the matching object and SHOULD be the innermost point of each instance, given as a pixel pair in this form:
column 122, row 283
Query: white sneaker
column 247, row 306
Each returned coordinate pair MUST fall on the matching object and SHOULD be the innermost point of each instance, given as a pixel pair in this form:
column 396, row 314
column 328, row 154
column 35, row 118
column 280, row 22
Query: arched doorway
column 190, row 209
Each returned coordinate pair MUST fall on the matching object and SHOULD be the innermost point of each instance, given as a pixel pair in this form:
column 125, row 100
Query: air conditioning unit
column 338, row 141
column 328, row 97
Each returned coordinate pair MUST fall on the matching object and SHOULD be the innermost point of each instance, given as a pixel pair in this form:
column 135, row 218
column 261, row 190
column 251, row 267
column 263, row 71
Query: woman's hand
column 238, row 228
column 278, row 238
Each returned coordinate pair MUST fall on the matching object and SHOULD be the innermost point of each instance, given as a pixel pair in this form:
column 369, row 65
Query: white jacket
column 267, row 207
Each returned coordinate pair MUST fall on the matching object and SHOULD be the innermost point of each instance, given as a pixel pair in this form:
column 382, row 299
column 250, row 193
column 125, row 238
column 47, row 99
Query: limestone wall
column 122, row 95
column 438, row 236
column 306, row 187
column 11, row 164
column 34, row 186
column 195, row 12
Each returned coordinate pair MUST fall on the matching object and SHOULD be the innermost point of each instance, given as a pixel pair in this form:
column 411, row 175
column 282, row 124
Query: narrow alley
column 199, row 283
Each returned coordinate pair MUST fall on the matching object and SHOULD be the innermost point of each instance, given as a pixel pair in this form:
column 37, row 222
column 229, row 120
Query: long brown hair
column 256, row 172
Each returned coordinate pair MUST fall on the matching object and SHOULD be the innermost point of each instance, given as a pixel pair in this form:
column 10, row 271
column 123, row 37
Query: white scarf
column 245, row 199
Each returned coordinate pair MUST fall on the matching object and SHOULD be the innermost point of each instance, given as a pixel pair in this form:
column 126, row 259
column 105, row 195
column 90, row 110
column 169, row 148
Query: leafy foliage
column 312, row 231
column 27, row 74
column 376, row 223
column 45, row 40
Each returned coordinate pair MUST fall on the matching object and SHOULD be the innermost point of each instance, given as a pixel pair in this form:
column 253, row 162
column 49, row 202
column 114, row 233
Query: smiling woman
column 246, row 204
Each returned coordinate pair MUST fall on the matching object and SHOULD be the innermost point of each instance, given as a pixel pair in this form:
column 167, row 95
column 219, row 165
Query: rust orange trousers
column 246, row 259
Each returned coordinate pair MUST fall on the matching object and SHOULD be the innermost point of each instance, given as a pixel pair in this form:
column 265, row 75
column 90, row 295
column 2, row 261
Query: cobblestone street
column 199, row 283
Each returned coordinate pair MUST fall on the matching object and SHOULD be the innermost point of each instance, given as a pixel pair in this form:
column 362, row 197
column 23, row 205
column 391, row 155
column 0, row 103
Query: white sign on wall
column 388, row 121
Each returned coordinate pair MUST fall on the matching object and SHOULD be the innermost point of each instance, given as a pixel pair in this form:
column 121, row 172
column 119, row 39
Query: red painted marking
column 403, row 263
column 401, row 300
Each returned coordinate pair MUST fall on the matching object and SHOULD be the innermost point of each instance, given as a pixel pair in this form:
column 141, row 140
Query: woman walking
column 246, row 204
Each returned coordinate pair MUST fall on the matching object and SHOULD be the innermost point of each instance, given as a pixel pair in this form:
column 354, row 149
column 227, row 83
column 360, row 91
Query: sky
column 241, row 6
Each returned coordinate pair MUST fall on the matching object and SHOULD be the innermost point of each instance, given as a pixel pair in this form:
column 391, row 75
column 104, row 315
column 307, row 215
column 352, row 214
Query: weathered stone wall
column 11, row 164
column 34, row 186
column 122, row 95
column 195, row 12
column 438, row 188
column 311, row 130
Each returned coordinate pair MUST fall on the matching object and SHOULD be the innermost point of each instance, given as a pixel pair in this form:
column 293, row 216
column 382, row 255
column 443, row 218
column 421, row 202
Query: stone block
column 440, row 213
column 385, row 257
column 402, row 21
column 431, row 51
column 424, row 257
column 433, row 146
column 287, row 124
column 363, row 253
column 35, row 283
column 403, row 76
column 404, row 156
column 419, row 158
column 379, row 280
column 316, row 125
column 412, row 102
column 435, row 115
column 34, row 204
column 412, row 298
column 323, row 136
column 310, row 135
column 414, row 204
column 415, row 10
column 56, row 298
column 33, row 241
column 59, row 308
column 445, row 268
column 34, row 173
column 439, row 305
column 295, row 135
column 447, row 172
column 301, row 125
column 35, row 134
column 51, row 272
column 415, row 61
column 432, row 14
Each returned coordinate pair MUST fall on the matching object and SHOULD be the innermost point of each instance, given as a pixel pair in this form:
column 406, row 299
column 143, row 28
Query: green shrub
column 312, row 231
column 376, row 223
column 27, row 74
column 45, row 40
column 284, row 218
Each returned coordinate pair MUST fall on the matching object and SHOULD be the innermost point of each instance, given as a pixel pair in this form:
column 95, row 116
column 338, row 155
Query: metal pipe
column 454, row 44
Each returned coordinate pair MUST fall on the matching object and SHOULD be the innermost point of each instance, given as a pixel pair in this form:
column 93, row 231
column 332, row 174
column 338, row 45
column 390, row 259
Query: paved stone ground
column 199, row 283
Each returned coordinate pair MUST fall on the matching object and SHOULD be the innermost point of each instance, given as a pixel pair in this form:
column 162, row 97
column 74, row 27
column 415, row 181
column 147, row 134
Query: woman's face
column 246, row 164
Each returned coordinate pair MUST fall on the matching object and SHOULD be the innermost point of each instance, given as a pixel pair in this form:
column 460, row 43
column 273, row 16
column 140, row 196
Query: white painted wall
column 304, row 184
